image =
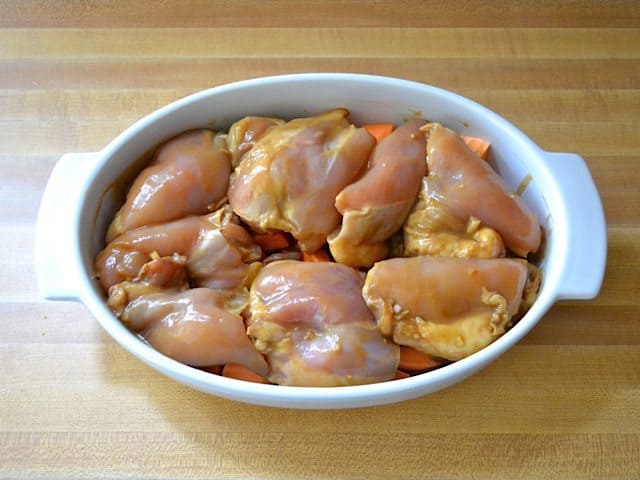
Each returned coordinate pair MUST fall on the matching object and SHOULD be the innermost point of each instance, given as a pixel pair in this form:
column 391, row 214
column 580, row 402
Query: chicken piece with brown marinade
column 374, row 207
column 431, row 229
column 465, row 209
column 311, row 323
column 160, row 275
column 245, row 133
column 289, row 180
column 188, row 175
column 199, row 327
column 220, row 253
column 445, row 307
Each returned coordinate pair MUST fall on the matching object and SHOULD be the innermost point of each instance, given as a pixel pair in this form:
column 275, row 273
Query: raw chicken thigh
column 199, row 327
column 289, row 180
column 431, row 229
column 445, row 307
column 220, row 253
column 160, row 275
column 311, row 322
column 188, row 175
column 245, row 133
column 460, row 194
column 375, row 206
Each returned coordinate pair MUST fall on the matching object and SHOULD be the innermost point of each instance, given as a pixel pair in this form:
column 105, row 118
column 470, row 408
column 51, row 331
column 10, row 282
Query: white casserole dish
column 77, row 206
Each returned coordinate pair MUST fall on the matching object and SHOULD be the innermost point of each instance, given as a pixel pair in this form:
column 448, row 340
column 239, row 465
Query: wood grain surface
column 564, row 403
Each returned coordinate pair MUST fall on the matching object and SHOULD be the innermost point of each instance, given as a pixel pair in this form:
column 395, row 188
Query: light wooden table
column 564, row 403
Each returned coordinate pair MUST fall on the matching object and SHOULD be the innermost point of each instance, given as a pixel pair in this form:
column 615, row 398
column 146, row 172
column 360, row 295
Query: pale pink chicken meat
column 310, row 321
column 188, row 175
column 445, row 307
column 199, row 327
column 160, row 275
column 220, row 253
column 375, row 206
column 464, row 187
column 290, row 178
column 245, row 133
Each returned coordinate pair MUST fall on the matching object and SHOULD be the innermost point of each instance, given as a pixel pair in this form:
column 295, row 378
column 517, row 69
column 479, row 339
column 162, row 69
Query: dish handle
column 55, row 230
column 586, row 257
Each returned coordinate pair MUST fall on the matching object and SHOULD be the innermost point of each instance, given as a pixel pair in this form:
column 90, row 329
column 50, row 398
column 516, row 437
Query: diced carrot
column 239, row 372
column 478, row 145
column 379, row 130
column 412, row 360
column 271, row 241
column 401, row 374
column 317, row 256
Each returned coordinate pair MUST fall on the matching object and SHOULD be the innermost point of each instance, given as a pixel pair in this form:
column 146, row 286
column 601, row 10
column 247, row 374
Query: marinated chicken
column 244, row 134
column 160, row 275
column 432, row 229
column 199, row 327
column 311, row 323
column 220, row 253
column 219, row 257
column 188, row 175
column 465, row 209
column 445, row 307
column 375, row 207
column 289, row 180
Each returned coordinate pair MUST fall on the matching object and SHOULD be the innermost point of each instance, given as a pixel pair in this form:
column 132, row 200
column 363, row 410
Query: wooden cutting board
column 564, row 403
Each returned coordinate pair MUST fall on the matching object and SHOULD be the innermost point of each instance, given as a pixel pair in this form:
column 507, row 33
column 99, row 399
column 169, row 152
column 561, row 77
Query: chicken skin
column 445, row 307
column 188, row 175
column 310, row 321
column 376, row 206
column 289, row 180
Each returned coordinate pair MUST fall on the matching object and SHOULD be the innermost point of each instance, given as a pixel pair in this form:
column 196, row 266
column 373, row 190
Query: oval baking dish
column 81, row 198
